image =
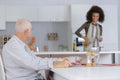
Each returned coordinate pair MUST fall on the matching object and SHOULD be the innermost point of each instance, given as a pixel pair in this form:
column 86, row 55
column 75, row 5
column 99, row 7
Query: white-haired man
column 19, row 62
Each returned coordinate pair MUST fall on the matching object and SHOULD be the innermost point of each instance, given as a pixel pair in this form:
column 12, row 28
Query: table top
column 89, row 73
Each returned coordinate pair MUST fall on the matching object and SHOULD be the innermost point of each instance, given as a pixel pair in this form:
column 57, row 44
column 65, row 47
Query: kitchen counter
column 106, row 56
column 87, row 73
column 101, row 52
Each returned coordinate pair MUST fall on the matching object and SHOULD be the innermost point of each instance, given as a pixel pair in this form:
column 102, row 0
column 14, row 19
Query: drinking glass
column 78, row 60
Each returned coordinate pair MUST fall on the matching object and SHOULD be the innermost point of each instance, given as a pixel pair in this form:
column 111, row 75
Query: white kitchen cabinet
column 13, row 13
column 53, row 13
column 42, row 13
column 2, row 17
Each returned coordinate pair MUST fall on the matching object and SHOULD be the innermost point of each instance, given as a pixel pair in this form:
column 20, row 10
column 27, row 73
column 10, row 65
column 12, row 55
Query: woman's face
column 95, row 17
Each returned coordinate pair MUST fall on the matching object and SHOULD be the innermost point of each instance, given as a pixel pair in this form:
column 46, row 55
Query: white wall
column 119, row 24
column 117, row 56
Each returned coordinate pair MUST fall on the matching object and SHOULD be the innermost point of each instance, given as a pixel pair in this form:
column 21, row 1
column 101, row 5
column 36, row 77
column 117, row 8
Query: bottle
column 74, row 46
column 37, row 49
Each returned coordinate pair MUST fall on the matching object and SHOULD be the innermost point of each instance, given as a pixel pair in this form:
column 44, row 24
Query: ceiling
column 55, row 2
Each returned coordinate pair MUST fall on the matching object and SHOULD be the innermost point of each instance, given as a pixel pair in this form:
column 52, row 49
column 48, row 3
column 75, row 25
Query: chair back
column 2, row 72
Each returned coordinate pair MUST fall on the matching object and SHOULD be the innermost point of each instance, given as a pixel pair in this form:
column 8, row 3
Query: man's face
column 29, row 33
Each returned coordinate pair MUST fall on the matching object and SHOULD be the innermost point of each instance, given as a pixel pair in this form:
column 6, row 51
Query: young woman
column 93, row 30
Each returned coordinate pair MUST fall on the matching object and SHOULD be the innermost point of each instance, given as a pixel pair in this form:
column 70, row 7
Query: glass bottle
column 74, row 46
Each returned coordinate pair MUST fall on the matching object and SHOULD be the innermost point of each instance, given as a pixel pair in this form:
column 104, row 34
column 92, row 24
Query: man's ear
column 26, row 31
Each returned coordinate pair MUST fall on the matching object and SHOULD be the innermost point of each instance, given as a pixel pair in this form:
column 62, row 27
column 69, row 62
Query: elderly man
column 19, row 62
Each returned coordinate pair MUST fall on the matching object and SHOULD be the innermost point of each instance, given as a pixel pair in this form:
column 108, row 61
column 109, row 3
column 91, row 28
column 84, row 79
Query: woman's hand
column 100, row 39
column 87, row 41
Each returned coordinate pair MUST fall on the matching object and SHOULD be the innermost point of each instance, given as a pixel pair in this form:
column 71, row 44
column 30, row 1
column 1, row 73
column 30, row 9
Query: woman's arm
column 85, row 27
column 100, row 38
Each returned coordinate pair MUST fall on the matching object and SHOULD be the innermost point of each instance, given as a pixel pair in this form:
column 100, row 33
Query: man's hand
column 62, row 64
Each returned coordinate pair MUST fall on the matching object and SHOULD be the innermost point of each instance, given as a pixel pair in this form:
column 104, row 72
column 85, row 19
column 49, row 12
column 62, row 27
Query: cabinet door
column 2, row 17
column 53, row 13
column 13, row 13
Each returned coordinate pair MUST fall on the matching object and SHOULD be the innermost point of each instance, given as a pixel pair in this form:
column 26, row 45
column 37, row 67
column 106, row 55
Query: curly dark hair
column 95, row 9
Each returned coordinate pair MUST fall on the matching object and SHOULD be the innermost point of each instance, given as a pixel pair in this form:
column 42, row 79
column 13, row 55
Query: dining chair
column 2, row 71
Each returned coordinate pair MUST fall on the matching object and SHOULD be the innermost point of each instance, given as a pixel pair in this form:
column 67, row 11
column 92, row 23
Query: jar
column 45, row 48
column 93, row 56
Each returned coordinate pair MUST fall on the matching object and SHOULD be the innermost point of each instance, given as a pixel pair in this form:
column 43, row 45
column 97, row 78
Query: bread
column 61, row 64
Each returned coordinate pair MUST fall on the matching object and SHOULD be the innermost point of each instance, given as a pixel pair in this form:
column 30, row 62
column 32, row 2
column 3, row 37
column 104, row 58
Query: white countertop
column 89, row 73
column 101, row 52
